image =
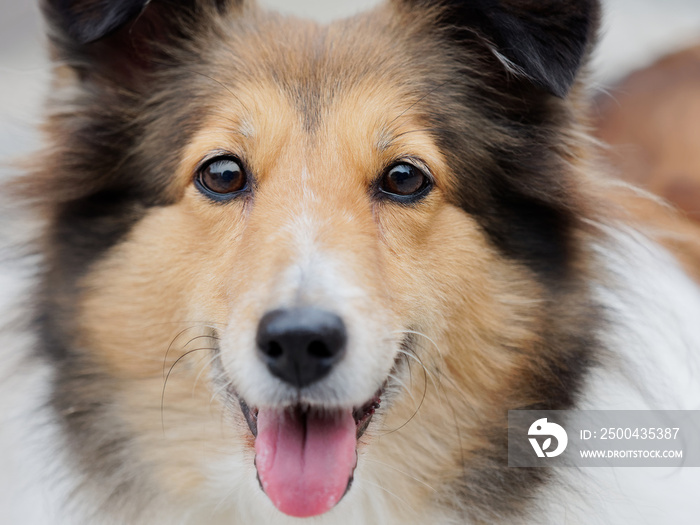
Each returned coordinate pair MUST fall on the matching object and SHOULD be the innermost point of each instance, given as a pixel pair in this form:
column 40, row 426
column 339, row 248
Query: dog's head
column 263, row 230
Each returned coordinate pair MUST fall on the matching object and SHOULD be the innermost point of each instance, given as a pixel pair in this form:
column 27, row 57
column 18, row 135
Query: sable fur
column 493, row 267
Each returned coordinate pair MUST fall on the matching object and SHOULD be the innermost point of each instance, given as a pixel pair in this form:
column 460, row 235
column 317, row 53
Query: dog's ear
column 118, row 40
column 543, row 40
column 86, row 21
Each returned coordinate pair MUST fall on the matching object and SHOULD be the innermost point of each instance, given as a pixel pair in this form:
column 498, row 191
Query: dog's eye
column 221, row 177
column 405, row 181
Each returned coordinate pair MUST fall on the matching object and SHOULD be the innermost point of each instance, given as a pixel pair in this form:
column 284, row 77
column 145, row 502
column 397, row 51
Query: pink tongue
column 305, row 461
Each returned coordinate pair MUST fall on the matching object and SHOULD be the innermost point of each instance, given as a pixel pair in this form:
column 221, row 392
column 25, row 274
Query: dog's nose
column 301, row 345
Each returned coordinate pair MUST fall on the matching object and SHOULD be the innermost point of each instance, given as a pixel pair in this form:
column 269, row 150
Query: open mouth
column 306, row 457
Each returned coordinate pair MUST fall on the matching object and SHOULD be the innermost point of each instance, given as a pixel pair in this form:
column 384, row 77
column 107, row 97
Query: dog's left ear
column 545, row 41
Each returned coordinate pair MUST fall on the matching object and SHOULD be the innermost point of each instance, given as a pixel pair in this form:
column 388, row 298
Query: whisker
column 167, row 351
column 405, row 356
column 202, row 337
column 422, row 400
column 218, row 391
column 444, row 396
column 414, row 332
column 408, row 352
column 165, row 383
column 403, row 385
column 435, row 378
column 165, row 358
column 420, row 362
column 204, row 367
column 439, row 378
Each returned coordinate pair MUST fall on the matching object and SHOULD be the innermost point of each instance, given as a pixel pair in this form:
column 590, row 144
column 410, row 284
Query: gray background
column 634, row 33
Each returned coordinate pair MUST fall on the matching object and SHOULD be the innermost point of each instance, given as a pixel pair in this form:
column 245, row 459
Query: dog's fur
column 521, row 280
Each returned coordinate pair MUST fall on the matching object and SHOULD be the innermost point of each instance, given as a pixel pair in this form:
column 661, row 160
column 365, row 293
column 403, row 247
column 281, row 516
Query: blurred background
column 651, row 118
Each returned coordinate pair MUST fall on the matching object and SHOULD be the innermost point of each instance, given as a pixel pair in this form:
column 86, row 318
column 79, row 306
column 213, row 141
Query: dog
column 297, row 271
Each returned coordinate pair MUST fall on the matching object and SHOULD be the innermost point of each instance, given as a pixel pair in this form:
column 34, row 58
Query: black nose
column 301, row 345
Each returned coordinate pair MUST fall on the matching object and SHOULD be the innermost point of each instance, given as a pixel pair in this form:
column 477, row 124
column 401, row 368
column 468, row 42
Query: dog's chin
column 305, row 456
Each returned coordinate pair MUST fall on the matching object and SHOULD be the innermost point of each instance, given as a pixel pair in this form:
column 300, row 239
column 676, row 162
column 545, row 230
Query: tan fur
column 184, row 265
column 461, row 305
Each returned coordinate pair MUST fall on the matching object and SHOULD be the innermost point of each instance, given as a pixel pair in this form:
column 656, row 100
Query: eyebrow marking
column 246, row 128
column 387, row 139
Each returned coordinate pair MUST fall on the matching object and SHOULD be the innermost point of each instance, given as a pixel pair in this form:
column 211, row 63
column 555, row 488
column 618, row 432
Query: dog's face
column 265, row 231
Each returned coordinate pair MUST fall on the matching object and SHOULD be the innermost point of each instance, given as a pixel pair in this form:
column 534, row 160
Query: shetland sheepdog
column 288, row 270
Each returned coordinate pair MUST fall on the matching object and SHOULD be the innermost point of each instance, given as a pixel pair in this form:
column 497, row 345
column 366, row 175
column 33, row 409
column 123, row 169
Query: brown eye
column 405, row 181
column 222, row 178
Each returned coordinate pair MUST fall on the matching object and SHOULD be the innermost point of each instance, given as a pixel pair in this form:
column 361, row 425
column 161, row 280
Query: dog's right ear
column 86, row 21
column 121, row 41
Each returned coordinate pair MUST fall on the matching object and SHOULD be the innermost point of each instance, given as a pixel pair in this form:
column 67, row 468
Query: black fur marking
column 123, row 41
column 93, row 224
column 532, row 231
column 518, row 195
column 87, row 21
column 90, row 20
column 116, row 151
column 546, row 40
column 102, row 177
column 82, row 232
column 502, row 131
